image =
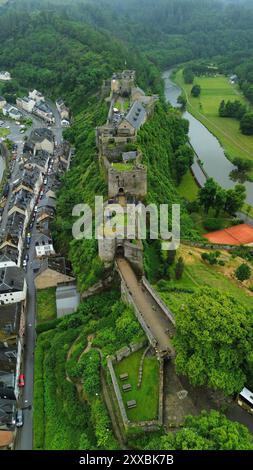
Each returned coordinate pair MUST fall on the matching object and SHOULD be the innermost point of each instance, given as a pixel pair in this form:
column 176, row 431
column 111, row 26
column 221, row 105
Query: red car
column 21, row 380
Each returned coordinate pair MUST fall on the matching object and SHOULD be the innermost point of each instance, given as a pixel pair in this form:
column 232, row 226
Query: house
column 44, row 246
column 11, row 241
column 133, row 121
column 13, row 287
column 36, row 96
column 42, row 139
column 11, row 111
column 2, row 102
column 42, row 110
column 11, row 324
column 7, row 417
column 7, row 257
column 52, row 271
column 22, row 202
column 63, row 110
column 5, row 75
column 38, row 162
column 63, row 154
column 30, row 179
column 8, row 372
column 67, row 300
column 6, row 438
column 26, row 103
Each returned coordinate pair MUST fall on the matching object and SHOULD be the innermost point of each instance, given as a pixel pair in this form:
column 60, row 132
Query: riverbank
column 205, row 109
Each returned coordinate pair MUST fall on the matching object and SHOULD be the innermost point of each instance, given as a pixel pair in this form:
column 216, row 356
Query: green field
column 46, row 305
column 188, row 187
column 205, row 109
column 147, row 396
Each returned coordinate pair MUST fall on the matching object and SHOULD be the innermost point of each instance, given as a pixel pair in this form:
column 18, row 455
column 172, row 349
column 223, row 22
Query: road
column 24, row 437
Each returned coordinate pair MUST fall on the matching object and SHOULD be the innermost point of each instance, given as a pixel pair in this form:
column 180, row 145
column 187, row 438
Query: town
column 27, row 255
column 126, row 230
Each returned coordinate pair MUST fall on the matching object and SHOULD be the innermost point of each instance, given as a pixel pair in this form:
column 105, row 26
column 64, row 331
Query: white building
column 11, row 111
column 13, row 287
column 27, row 104
column 36, row 96
column 5, row 75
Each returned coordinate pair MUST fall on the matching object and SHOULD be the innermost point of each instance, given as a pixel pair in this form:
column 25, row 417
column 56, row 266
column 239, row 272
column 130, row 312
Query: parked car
column 24, row 263
column 21, row 380
column 19, row 418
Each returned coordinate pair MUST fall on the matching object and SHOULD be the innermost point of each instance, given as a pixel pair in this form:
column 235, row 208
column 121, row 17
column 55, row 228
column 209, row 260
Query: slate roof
column 38, row 135
column 47, row 202
column 9, row 320
column 28, row 178
column 136, row 115
column 12, row 279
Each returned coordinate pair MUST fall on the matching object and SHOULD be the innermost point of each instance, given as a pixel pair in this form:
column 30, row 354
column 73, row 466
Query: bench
column 127, row 387
column 131, row 404
column 123, row 376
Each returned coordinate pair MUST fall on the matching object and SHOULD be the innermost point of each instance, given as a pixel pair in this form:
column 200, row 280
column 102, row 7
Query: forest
column 67, row 48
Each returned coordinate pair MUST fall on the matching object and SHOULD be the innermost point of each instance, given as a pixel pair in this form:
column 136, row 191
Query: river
column 207, row 148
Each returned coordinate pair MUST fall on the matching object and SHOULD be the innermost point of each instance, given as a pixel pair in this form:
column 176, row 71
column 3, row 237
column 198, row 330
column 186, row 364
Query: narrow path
column 153, row 315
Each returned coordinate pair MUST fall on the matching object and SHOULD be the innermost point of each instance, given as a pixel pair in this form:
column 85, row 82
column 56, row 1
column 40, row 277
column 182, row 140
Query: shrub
column 243, row 272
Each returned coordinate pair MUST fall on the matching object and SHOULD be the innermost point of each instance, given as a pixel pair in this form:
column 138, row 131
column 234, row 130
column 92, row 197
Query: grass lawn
column 122, row 166
column 46, row 304
column 4, row 132
column 147, row 397
column 188, row 187
column 205, row 109
column 197, row 273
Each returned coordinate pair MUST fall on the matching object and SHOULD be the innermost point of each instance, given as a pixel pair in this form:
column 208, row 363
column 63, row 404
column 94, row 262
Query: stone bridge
column 150, row 311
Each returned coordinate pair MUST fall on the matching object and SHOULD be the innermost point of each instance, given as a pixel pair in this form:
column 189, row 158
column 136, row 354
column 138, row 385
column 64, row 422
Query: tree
column 235, row 199
column 182, row 101
column 246, row 124
column 243, row 166
column 220, row 200
column 196, row 90
column 179, row 268
column 207, row 194
column 188, row 75
column 213, row 340
column 243, row 272
column 208, row 431
column 184, row 159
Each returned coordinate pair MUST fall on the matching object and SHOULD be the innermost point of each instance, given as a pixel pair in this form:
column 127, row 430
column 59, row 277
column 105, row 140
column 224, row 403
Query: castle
column 121, row 159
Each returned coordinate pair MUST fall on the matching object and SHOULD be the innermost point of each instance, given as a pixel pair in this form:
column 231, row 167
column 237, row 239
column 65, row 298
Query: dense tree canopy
column 213, row 341
column 208, row 431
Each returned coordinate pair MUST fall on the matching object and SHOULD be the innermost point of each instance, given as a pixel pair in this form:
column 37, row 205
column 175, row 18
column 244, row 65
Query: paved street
column 24, row 439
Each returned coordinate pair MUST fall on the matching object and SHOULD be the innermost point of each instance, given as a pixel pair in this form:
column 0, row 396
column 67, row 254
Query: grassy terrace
column 147, row 396
column 46, row 305
column 205, row 109
column 197, row 273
